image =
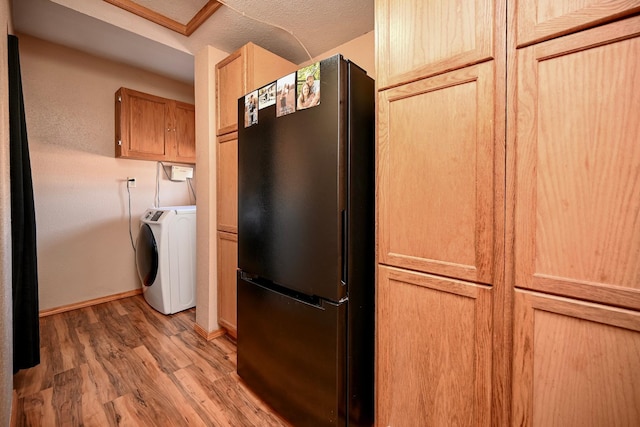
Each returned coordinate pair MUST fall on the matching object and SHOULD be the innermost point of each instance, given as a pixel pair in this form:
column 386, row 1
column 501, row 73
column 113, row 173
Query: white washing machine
column 166, row 258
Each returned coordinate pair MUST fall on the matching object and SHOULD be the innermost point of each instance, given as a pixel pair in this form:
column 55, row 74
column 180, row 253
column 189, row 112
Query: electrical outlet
column 131, row 182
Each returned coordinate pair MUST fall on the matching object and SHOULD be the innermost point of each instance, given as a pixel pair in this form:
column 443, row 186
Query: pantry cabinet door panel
column 436, row 175
column 577, row 160
column 227, row 181
column 419, row 38
column 227, row 295
column 575, row 363
column 543, row 19
column 231, row 84
column 433, row 354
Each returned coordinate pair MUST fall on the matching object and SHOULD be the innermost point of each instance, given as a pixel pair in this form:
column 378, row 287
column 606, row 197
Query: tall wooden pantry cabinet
column 574, row 212
column 246, row 69
column 508, row 240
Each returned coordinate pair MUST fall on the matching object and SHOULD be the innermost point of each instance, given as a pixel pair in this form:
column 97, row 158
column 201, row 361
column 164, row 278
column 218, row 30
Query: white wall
column 84, row 249
column 6, row 317
column 360, row 50
column 206, row 250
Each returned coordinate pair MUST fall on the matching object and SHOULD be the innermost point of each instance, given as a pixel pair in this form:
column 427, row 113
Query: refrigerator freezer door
column 292, row 192
column 294, row 356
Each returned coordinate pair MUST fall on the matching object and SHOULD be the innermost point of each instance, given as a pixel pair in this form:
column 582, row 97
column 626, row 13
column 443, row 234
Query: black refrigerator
column 306, row 256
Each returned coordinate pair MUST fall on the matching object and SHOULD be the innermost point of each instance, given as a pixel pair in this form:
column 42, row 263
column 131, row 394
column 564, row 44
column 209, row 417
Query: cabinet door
column 433, row 351
column 227, row 267
column 539, row 20
column 227, row 182
column 231, row 85
column 185, row 132
column 577, row 162
column 575, row 363
column 421, row 38
column 142, row 125
column 436, row 175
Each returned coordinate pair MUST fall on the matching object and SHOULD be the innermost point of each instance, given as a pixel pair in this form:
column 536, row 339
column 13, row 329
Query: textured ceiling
column 295, row 30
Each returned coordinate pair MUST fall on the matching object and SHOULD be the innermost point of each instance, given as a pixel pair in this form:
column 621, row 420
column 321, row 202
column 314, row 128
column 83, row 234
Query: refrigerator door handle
column 344, row 248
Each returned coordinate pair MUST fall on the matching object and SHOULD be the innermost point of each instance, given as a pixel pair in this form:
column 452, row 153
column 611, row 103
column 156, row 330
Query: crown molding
column 160, row 19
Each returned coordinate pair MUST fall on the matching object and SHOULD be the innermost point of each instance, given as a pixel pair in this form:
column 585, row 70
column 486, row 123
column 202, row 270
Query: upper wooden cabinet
column 149, row 127
column 246, row 69
column 577, row 163
column 543, row 19
column 436, row 154
column 421, row 38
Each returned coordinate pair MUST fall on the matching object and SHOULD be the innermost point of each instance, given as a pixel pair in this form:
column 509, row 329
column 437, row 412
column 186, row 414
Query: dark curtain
column 26, row 328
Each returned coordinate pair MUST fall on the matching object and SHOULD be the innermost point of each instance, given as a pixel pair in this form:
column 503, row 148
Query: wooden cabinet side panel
column 543, row 19
column 227, row 182
column 227, row 295
column 436, row 174
column 577, row 186
column 266, row 68
column 575, row 363
column 121, row 123
column 433, row 351
column 417, row 39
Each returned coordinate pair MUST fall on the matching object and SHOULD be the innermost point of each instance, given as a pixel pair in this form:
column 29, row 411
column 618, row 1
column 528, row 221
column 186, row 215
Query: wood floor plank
column 206, row 355
column 50, row 346
column 94, row 395
column 120, row 309
column 193, row 387
column 240, row 406
column 132, row 410
column 164, row 385
column 98, row 379
column 89, row 314
column 109, row 360
column 225, row 345
column 124, row 364
column 169, row 355
column 67, row 397
column 161, row 322
column 117, row 327
column 96, row 386
column 37, row 410
column 71, row 349
column 75, row 318
column 29, row 381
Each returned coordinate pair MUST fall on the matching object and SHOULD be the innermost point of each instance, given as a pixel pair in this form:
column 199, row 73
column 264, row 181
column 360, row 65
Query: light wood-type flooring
column 122, row 363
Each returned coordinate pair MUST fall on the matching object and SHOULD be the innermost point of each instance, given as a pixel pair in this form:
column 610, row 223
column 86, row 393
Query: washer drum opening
column 146, row 256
